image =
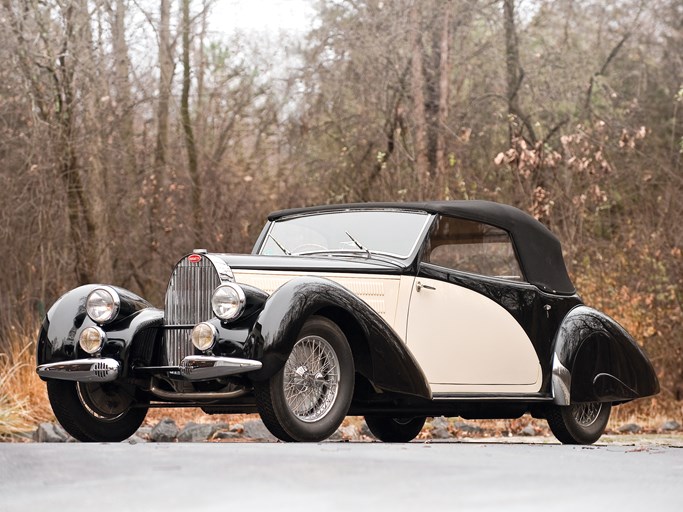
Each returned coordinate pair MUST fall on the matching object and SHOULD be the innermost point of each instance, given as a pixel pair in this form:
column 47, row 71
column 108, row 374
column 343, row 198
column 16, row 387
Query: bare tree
column 515, row 76
column 186, row 120
column 417, row 87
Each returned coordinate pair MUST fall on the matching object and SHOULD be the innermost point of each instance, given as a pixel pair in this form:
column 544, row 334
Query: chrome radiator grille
column 188, row 302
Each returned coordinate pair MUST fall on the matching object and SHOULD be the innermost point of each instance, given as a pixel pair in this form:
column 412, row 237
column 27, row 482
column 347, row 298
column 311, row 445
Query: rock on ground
column 165, row 431
column 528, row 431
column 197, row 432
column 50, row 433
column 255, row 429
column 670, row 426
column 440, row 428
column 630, row 428
column 466, row 427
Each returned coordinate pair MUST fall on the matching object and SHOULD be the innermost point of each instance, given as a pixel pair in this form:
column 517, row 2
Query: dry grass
column 24, row 404
column 23, row 399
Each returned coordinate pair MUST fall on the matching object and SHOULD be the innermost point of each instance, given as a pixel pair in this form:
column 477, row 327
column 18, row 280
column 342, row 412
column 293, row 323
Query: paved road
column 338, row 476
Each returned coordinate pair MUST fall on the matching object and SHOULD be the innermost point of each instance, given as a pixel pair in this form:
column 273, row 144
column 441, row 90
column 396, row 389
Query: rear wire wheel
column 579, row 423
column 309, row 397
column 395, row 430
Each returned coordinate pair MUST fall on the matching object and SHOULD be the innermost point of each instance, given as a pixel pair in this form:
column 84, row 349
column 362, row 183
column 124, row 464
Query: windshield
column 394, row 233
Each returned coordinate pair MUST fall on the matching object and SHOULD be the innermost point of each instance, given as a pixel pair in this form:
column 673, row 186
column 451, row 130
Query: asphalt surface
column 338, row 476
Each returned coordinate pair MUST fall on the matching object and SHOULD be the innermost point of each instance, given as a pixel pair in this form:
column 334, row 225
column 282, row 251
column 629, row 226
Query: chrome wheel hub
column 585, row 414
column 106, row 402
column 311, row 379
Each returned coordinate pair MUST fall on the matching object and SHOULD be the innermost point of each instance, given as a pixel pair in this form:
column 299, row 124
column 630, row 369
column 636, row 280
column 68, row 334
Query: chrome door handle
column 419, row 286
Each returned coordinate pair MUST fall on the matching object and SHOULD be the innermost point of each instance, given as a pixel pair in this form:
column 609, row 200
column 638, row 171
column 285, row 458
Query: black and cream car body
column 393, row 311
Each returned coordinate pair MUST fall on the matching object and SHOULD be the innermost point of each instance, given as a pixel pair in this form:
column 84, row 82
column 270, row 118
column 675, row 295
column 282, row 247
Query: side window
column 473, row 247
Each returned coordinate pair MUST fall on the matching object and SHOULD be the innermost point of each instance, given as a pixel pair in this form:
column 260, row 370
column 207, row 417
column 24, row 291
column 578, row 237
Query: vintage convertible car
column 394, row 311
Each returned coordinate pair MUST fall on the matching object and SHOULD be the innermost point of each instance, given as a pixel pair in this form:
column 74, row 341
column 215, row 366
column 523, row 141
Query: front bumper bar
column 106, row 369
column 213, row 367
column 82, row 370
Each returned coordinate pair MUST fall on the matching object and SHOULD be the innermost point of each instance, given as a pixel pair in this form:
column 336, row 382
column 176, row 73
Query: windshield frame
column 352, row 253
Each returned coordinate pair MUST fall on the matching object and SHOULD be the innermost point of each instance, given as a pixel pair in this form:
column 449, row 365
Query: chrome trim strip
column 224, row 271
column 490, row 398
column 213, row 367
column 81, row 370
column 352, row 210
column 561, row 382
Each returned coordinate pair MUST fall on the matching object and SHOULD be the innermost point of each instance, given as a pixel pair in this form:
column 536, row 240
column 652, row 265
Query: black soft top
column 539, row 251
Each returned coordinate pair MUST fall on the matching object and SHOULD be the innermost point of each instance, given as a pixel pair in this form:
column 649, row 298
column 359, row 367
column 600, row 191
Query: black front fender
column 605, row 363
column 380, row 355
column 63, row 323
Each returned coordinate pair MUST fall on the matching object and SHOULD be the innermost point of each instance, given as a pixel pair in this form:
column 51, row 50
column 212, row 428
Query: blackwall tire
column 580, row 423
column 395, row 430
column 75, row 406
column 309, row 397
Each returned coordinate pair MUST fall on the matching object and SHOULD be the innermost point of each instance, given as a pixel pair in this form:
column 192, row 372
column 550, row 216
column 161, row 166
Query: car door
column 460, row 328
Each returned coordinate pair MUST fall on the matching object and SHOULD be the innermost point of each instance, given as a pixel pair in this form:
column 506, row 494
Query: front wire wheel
column 309, row 397
column 579, row 423
column 93, row 412
column 311, row 379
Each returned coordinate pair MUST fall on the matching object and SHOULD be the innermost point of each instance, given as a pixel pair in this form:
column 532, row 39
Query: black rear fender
column 595, row 359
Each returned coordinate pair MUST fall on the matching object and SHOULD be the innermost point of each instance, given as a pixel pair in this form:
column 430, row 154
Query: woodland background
column 131, row 133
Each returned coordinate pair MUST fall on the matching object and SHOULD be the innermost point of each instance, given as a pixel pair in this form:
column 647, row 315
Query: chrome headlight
column 92, row 339
column 228, row 301
column 103, row 304
column 204, row 336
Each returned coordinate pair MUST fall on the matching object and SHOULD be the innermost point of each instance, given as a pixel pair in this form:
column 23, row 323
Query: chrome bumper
column 82, row 370
column 213, row 367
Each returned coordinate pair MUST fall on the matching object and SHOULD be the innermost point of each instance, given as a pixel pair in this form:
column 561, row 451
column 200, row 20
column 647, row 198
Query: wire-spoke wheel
column 395, row 430
column 96, row 412
column 579, row 423
column 309, row 397
column 311, row 379
column 587, row 413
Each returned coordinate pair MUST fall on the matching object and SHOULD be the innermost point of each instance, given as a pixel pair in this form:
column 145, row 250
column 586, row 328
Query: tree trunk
column 93, row 202
column 124, row 107
column 515, row 75
column 419, row 114
column 165, row 81
column 186, row 120
column 444, row 81
column 158, row 178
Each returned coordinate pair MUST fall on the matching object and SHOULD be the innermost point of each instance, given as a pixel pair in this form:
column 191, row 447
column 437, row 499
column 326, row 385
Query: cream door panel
column 380, row 292
column 465, row 342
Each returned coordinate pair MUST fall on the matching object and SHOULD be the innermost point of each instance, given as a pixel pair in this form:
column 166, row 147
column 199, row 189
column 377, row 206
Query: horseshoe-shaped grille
column 188, row 302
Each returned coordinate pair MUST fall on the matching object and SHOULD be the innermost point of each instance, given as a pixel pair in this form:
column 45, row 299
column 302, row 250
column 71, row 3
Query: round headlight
column 228, row 301
column 92, row 339
column 203, row 336
column 102, row 305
